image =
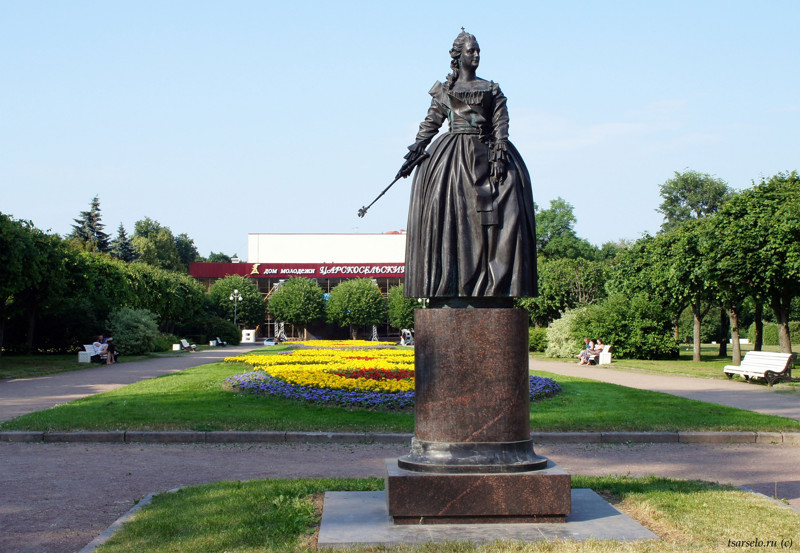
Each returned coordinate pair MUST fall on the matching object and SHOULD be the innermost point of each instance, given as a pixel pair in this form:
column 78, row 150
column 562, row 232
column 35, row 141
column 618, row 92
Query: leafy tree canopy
column 555, row 233
column 691, row 195
column 249, row 310
column 298, row 301
column 219, row 258
column 401, row 308
column 356, row 302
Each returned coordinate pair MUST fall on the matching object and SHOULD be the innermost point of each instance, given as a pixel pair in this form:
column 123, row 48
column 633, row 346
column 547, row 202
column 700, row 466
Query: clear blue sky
column 222, row 118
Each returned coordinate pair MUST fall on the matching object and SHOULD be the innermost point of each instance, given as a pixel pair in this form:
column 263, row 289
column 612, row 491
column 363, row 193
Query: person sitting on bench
column 104, row 348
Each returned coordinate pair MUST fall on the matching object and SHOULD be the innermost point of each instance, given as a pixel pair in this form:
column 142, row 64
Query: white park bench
column 185, row 345
column 602, row 358
column 85, row 356
column 763, row 364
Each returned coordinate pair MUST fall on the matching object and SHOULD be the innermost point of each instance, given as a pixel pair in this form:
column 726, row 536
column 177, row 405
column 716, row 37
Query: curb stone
column 275, row 437
column 106, row 534
column 21, row 436
column 717, row 437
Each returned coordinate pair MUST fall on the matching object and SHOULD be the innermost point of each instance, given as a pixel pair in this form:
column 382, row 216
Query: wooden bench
column 602, row 358
column 763, row 364
column 187, row 346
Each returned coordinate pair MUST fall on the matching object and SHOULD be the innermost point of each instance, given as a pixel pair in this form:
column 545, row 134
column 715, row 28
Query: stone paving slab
column 350, row 518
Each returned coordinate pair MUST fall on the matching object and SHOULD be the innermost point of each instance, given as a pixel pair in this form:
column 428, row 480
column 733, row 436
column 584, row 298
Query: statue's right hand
column 415, row 152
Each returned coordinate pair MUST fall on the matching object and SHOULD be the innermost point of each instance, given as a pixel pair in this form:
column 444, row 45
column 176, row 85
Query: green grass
column 197, row 399
column 264, row 516
column 30, row 366
column 710, row 366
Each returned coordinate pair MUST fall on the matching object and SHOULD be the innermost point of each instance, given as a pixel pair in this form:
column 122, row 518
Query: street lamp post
column 236, row 297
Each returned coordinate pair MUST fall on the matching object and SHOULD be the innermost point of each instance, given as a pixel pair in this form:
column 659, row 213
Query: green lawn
column 265, row 516
column 30, row 366
column 197, row 399
column 710, row 366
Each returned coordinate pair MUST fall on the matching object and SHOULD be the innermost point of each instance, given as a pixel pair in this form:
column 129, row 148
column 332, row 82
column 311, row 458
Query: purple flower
column 261, row 383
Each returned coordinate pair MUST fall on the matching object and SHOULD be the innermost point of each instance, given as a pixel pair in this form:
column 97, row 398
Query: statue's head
column 458, row 47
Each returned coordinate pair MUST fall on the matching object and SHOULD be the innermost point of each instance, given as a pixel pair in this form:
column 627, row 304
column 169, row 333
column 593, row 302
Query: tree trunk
column 733, row 315
column 758, row 340
column 724, row 325
column 781, row 306
column 698, row 320
column 2, row 330
column 353, row 332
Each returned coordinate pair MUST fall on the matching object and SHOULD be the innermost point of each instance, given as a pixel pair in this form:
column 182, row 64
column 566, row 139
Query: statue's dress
column 467, row 235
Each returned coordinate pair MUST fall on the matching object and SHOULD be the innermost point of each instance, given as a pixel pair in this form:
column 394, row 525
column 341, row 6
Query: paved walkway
column 26, row 395
column 753, row 397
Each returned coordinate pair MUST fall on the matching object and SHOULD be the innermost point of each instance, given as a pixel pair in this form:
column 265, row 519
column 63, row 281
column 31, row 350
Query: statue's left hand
column 499, row 171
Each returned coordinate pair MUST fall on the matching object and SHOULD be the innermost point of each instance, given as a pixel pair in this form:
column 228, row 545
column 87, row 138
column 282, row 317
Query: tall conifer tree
column 88, row 229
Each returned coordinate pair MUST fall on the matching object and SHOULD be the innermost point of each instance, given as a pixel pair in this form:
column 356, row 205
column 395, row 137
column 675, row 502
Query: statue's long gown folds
column 469, row 235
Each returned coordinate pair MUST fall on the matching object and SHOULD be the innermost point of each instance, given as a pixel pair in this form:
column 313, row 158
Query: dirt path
column 57, row 497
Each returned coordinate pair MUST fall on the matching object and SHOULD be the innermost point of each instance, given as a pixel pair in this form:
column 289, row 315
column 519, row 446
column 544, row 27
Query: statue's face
column 471, row 54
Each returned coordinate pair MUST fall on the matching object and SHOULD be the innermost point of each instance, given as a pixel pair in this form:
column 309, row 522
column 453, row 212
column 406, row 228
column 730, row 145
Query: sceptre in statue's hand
column 413, row 158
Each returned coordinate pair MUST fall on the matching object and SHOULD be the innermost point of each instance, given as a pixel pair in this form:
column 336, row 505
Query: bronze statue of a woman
column 471, row 228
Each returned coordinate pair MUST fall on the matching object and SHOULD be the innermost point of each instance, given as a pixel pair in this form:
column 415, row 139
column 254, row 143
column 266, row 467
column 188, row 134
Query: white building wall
column 326, row 248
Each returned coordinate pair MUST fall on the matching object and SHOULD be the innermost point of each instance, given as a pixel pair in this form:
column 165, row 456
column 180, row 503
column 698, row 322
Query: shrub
column 208, row 326
column 537, row 339
column 164, row 342
column 770, row 335
column 135, row 331
column 561, row 339
column 634, row 325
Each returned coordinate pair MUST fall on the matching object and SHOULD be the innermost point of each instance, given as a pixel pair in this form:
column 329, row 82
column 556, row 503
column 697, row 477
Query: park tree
column 354, row 303
column 249, row 311
column 87, row 232
column 688, row 276
column 187, row 252
column 555, row 233
column 298, row 301
column 729, row 269
column 219, row 258
column 18, row 255
column 564, row 283
column 764, row 223
column 122, row 247
column 400, row 308
column 690, row 195
column 643, row 269
column 155, row 245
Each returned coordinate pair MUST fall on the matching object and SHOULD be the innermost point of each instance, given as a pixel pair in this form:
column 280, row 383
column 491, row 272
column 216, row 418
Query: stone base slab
column 351, row 518
column 437, row 498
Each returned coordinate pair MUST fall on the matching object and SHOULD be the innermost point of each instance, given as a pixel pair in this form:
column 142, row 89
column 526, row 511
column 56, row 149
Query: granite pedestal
column 472, row 458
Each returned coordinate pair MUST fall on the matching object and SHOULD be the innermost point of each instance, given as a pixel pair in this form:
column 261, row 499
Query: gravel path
column 57, row 497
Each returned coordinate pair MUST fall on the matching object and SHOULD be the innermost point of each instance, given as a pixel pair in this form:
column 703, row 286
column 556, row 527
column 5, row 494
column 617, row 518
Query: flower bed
column 339, row 344
column 354, row 377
